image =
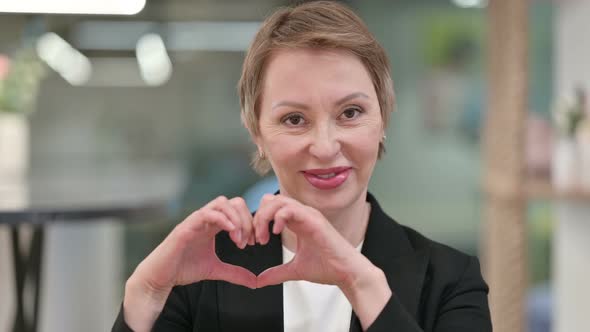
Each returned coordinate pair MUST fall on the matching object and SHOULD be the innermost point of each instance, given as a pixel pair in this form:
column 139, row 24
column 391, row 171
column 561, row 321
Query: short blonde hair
column 317, row 25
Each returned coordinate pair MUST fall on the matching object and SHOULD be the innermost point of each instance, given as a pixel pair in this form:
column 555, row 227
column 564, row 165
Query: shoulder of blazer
column 415, row 264
column 449, row 272
column 449, row 262
column 441, row 251
column 388, row 234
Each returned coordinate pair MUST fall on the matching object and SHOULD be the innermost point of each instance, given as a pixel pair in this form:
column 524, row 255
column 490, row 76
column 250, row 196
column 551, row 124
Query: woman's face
column 320, row 126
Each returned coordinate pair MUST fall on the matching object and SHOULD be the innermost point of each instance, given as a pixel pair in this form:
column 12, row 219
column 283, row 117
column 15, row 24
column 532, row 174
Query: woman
column 320, row 255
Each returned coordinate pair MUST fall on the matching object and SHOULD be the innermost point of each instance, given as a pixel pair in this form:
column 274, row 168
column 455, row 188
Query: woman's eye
column 351, row 113
column 294, row 120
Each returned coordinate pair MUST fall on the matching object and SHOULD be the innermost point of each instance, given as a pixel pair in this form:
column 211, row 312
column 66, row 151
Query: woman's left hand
column 322, row 255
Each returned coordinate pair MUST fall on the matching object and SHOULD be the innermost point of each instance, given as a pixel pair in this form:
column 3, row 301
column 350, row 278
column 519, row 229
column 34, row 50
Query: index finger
column 269, row 205
column 242, row 210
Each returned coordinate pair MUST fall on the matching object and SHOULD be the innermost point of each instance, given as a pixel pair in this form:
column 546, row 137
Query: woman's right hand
column 186, row 256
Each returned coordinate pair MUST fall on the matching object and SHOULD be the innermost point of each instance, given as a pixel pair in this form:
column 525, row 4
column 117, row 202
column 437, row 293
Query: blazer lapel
column 243, row 309
column 387, row 247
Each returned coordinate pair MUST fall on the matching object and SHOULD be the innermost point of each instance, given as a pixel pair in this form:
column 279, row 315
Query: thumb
column 276, row 275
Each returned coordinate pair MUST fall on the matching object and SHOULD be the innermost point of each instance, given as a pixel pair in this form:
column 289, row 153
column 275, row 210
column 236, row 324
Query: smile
column 326, row 179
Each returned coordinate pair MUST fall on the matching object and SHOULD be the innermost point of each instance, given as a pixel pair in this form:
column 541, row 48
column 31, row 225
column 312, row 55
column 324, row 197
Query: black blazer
column 435, row 288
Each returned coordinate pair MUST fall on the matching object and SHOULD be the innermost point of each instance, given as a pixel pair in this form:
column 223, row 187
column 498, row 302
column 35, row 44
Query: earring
column 261, row 154
column 384, row 138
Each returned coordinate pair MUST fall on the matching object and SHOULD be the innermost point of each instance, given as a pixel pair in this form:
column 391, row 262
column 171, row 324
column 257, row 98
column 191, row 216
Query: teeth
column 326, row 176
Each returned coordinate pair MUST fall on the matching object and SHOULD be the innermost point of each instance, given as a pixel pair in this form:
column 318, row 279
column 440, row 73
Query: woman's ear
column 256, row 140
column 259, row 148
column 261, row 153
column 254, row 134
column 245, row 124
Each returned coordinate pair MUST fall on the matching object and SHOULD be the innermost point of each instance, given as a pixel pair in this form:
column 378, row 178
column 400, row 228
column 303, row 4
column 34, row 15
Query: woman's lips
column 326, row 179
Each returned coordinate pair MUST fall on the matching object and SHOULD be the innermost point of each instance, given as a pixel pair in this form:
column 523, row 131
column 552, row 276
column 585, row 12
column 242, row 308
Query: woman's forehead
column 285, row 58
column 299, row 73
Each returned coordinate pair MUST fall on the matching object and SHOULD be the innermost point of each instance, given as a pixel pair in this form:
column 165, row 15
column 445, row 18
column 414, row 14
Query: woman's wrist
column 368, row 292
column 142, row 304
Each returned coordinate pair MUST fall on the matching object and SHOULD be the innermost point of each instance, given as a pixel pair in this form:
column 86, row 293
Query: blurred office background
column 149, row 101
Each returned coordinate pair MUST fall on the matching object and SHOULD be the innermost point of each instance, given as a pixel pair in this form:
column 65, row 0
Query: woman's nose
column 325, row 144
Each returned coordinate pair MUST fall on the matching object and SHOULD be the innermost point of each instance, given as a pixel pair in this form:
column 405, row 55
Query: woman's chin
column 329, row 201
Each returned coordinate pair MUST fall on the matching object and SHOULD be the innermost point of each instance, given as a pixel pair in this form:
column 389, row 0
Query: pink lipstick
column 327, row 178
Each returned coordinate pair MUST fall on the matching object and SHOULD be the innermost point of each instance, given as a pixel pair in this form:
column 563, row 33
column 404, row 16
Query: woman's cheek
column 285, row 148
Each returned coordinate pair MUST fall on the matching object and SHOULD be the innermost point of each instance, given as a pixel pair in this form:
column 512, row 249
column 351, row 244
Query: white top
column 314, row 307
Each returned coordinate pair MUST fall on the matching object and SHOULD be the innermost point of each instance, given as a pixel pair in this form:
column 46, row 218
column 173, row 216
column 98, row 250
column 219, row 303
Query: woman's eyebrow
column 351, row 96
column 305, row 107
column 290, row 104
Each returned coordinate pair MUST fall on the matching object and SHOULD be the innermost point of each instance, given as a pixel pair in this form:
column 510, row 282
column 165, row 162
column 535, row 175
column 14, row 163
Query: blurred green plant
column 449, row 37
column 19, row 81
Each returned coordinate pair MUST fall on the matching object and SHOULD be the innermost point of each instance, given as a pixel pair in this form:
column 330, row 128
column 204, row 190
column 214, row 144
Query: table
column 75, row 195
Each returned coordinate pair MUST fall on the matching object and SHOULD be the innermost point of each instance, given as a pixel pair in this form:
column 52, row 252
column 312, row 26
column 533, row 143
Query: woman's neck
column 351, row 222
